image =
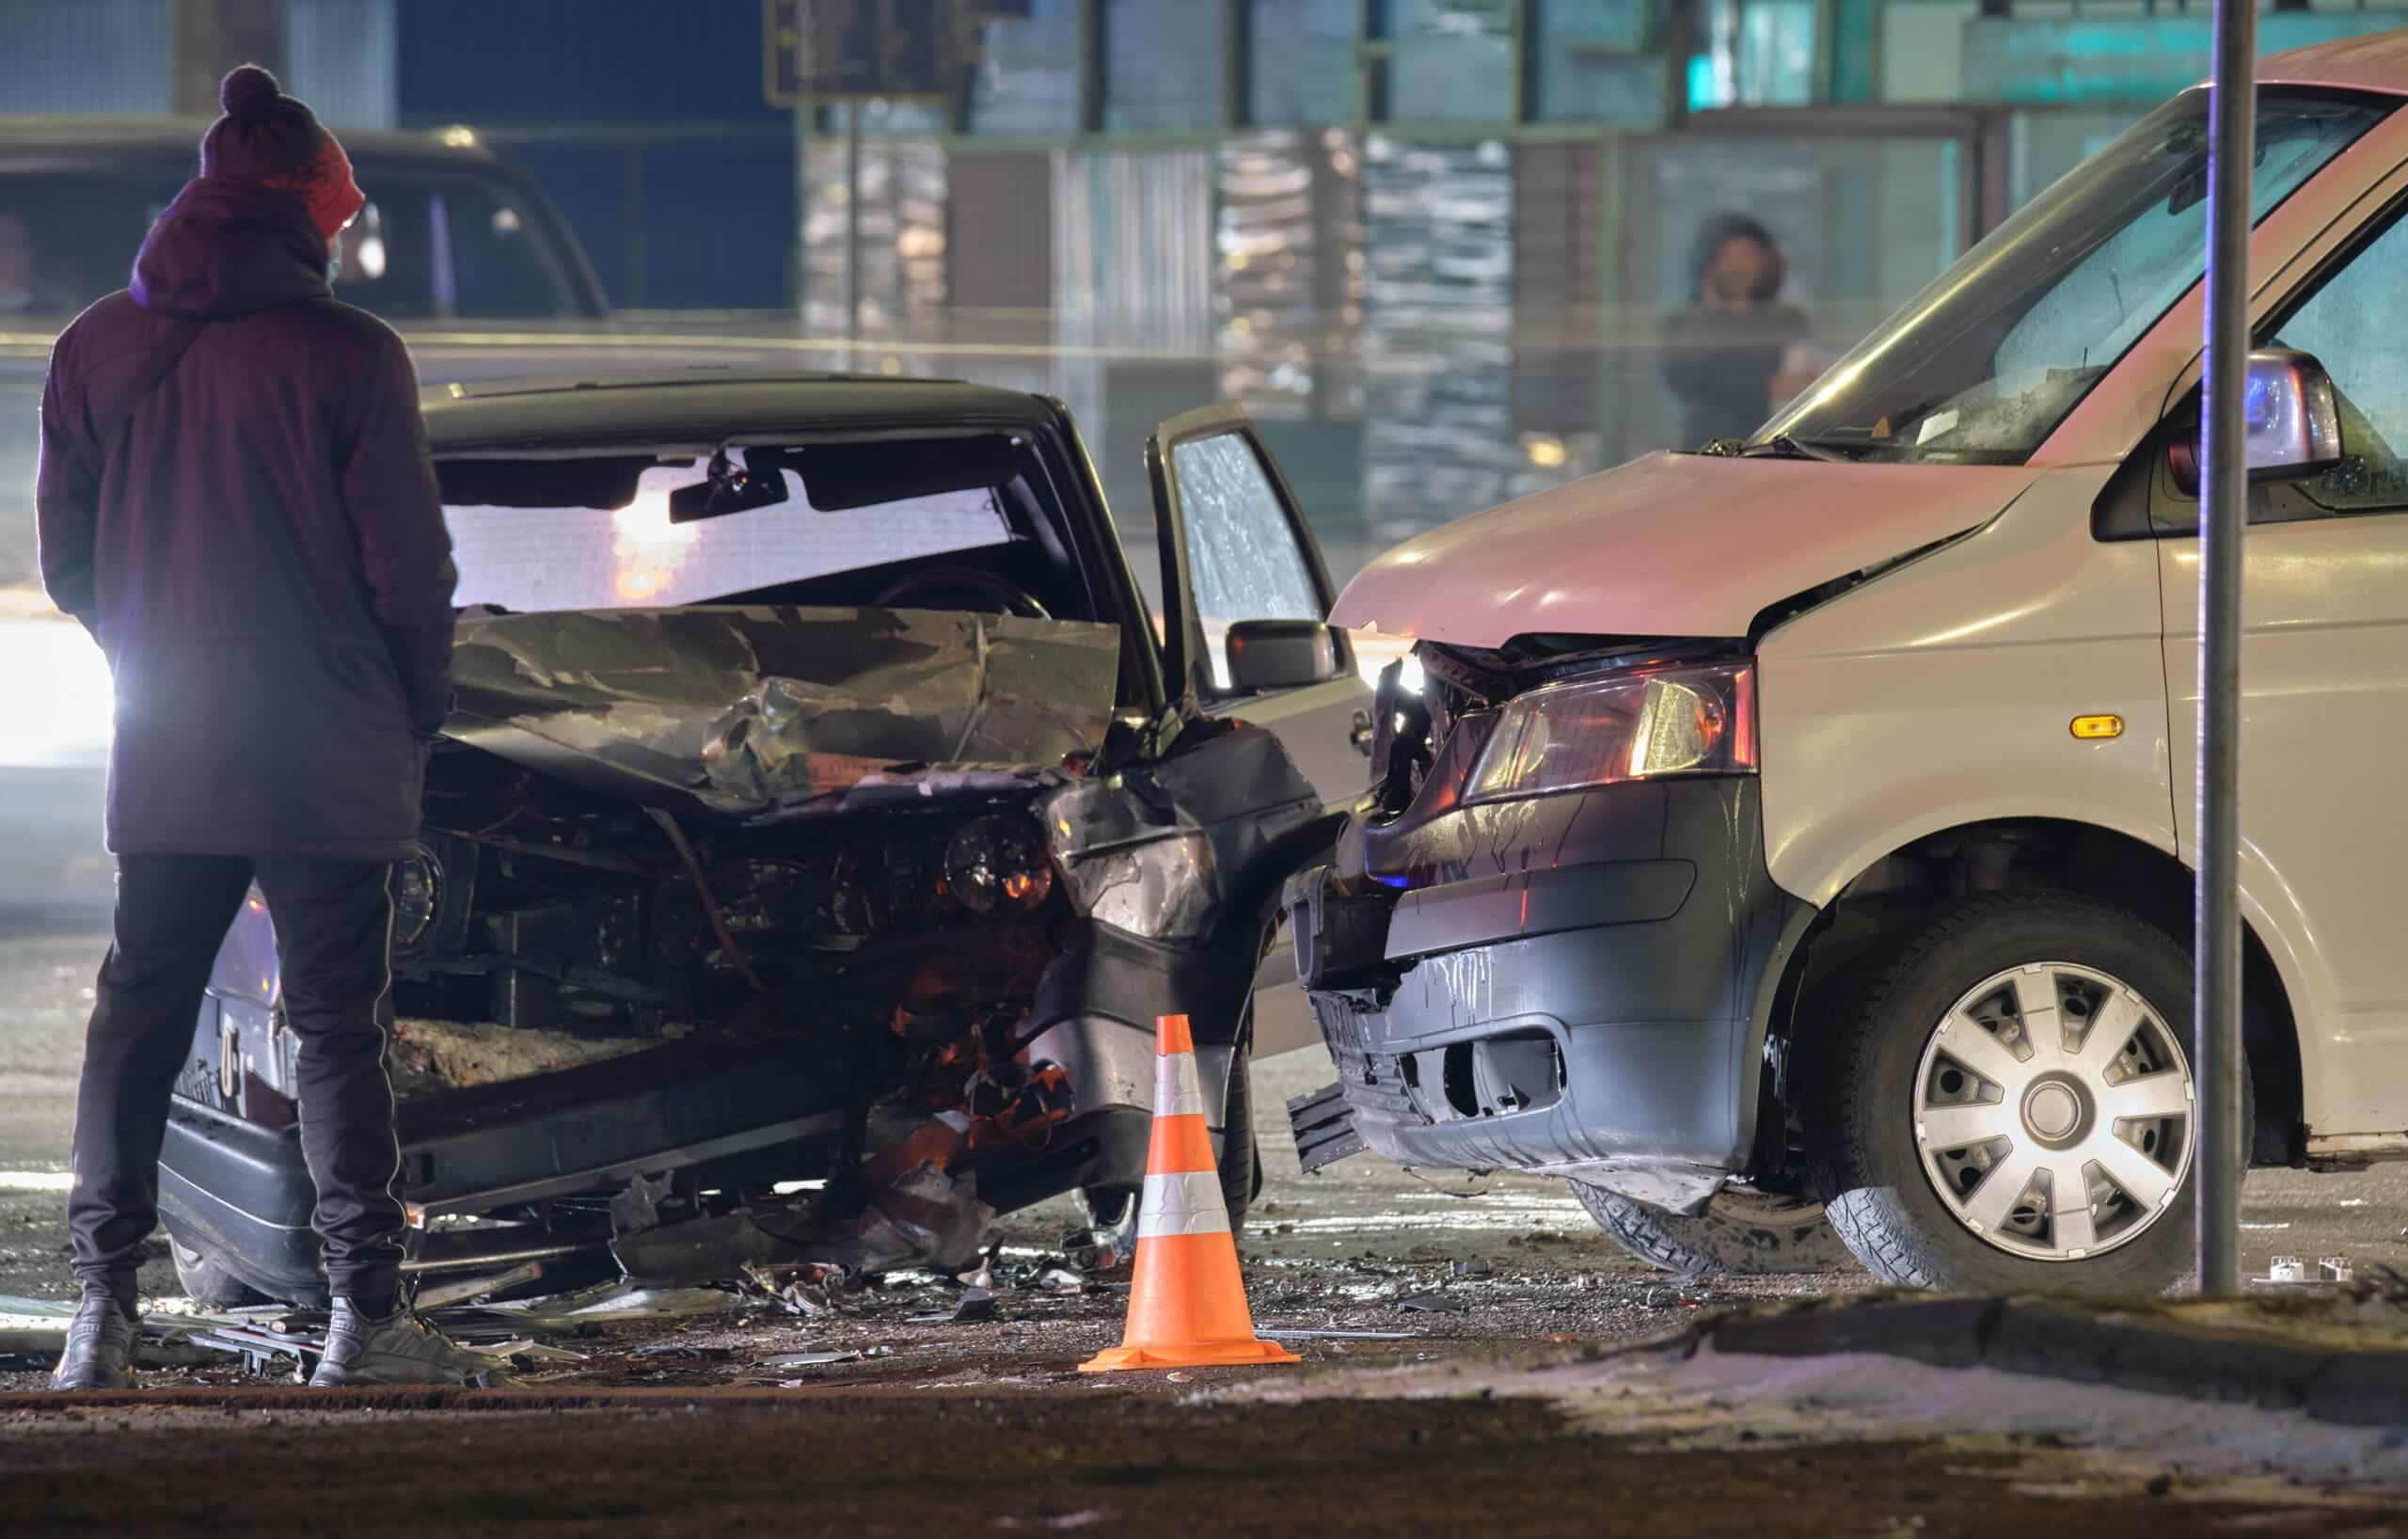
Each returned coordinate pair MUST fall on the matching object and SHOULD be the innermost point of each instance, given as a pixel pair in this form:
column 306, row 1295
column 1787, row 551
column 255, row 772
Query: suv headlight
column 1634, row 726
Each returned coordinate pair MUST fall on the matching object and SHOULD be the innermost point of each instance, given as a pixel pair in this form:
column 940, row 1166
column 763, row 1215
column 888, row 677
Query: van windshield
column 1984, row 363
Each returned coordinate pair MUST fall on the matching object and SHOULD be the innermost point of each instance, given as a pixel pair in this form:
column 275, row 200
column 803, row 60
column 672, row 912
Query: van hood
column 1672, row 545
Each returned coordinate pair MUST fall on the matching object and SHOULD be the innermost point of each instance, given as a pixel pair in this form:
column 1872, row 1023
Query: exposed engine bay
column 749, row 936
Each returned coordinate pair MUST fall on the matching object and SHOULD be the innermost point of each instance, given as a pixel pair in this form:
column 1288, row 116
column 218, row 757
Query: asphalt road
column 1502, row 1303
column 1361, row 1213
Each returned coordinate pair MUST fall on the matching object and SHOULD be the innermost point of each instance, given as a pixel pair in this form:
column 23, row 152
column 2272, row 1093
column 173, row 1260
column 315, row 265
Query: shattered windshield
column 572, row 558
column 628, row 532
column 1985, row 363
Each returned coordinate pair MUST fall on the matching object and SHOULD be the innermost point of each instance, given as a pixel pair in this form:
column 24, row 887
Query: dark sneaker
column 398, row 1349
column 99, row 1346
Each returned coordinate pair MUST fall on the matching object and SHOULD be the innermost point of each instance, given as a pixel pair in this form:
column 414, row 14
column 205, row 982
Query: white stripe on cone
column 1188, row 1202
column 1177, row 1093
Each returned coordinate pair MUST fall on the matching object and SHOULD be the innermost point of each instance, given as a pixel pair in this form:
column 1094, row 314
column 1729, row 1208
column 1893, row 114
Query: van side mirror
column 1266, row 655
column 2291, row 423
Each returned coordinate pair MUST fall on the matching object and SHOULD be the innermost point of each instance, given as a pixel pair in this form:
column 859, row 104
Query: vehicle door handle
column 1361, row 734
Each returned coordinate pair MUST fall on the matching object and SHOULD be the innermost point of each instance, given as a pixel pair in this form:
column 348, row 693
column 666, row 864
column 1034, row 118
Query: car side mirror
column 1266, row 654
column 2291, row 423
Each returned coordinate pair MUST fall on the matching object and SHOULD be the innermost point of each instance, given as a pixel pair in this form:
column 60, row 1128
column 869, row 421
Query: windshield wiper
column 1782, row 446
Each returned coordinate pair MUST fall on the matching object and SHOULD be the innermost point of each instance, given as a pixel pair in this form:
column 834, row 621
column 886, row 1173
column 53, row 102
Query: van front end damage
column 743, row 937
column 1575, row 982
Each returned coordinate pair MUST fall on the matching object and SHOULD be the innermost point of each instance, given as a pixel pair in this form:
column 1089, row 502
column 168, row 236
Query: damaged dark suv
column 822, row 822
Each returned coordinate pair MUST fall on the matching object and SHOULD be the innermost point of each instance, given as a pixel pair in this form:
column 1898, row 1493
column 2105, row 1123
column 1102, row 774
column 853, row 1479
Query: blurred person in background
column 235, row 498
column 1735, row 354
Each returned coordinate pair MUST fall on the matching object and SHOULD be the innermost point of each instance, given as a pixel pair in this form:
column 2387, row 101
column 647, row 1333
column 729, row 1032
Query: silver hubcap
column 2054, row 1112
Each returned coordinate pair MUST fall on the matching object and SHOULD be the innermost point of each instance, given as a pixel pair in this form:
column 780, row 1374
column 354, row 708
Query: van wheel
column 207, row 1283
column 1742, row 1232
column 2013, row 1108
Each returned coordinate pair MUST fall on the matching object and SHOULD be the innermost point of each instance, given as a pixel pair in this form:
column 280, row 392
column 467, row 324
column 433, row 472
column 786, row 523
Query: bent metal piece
column 758, row 712
column 1187, row 1305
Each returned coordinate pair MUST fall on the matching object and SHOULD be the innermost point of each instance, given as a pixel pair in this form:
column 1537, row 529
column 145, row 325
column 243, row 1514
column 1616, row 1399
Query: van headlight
column 1695, row 719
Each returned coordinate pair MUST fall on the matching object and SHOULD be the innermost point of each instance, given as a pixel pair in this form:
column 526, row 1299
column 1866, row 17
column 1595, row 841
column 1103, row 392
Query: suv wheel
column 1114, row 1208
column 207, row 1282
column 1742, row 1232
column 2013, row 1108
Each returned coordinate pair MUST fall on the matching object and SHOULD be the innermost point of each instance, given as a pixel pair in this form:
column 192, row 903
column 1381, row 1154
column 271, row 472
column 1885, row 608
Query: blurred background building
column 1435, row 246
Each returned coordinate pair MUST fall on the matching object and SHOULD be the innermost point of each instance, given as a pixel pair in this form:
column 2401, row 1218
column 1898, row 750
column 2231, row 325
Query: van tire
column 1742, row 1232
column 1862, row 1080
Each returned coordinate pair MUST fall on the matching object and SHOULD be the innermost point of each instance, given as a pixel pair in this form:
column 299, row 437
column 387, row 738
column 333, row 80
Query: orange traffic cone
column 1187, row 1306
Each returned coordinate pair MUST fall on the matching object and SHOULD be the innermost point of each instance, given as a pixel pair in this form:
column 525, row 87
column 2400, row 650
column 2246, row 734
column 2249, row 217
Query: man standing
column 236, row 500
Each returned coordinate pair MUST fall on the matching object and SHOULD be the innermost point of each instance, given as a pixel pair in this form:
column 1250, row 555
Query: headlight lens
column 417, row 893
column 1628, row 726
column 997, row 865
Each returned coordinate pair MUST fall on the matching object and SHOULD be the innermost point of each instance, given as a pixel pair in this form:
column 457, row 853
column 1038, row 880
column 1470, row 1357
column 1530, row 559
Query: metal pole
column 2224, row 512
column 852, row 223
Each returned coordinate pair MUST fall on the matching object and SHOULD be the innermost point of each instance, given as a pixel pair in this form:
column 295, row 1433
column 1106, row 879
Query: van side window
column 2352, row 325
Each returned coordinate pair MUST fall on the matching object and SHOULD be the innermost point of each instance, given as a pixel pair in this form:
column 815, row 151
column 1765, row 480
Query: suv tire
column 1742, row 1232
column 1880, row 1108
column 1114, row 1208
column 207, row 1280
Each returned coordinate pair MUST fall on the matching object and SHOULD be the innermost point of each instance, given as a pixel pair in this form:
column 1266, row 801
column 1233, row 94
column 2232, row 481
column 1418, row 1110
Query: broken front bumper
column 241, row 1192
column 1577, row 983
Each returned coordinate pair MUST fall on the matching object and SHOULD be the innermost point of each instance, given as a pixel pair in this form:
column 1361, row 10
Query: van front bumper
column 1576, row 984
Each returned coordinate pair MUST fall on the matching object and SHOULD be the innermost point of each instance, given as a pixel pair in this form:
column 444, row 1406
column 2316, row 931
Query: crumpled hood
column 228, row 248
column 1672, row 545
column 759, row 711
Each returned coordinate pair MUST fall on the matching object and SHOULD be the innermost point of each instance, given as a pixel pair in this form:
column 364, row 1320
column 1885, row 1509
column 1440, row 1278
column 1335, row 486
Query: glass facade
column 1162, row 66
column 1592, row 63
column 1301, row 60
column 1756, row 54
column 1450, row 61
column 1025, row 80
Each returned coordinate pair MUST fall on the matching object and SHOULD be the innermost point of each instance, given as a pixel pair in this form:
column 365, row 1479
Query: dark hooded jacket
column 254, row 538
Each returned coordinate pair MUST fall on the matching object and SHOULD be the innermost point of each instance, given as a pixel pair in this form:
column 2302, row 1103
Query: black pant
column 334, row 923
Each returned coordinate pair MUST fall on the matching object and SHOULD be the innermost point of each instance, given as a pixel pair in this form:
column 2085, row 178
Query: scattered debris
column 1432, row 1304
column 1476, row 1267
column 527, row 1352
column 976, row 1305
column 924, row 1217
column 810, row 1359
column 1300, row 1334
column 683, row 1349
column 437, row 1296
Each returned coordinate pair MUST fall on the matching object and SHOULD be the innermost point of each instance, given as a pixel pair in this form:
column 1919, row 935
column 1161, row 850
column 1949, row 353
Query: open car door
column 1248, row 601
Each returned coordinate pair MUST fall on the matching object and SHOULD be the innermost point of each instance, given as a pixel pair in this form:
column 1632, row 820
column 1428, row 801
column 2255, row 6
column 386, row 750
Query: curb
column 2139, row 1346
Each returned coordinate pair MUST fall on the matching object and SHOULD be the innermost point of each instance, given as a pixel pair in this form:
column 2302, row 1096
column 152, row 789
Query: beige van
column 1801, row 829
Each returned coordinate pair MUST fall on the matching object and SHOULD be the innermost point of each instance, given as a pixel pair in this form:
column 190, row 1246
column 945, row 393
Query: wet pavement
column 1478, row 1327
